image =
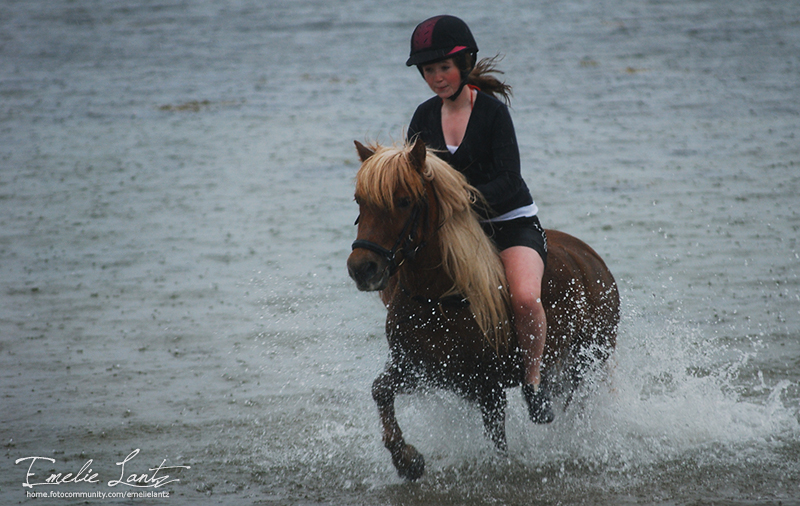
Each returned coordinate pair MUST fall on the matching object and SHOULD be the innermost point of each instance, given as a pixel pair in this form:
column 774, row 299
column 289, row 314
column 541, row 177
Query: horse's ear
column 363, row 152
column 417, row 154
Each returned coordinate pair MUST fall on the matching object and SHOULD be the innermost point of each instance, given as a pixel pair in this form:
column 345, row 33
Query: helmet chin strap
column 455, row 95
column 464, row 80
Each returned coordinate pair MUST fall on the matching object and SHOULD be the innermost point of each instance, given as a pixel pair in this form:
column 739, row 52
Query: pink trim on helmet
column 457, row 49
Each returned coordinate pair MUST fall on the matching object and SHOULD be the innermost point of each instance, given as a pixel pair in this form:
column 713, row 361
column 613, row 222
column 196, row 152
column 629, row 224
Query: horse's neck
column 428, row 284
column 424, row 276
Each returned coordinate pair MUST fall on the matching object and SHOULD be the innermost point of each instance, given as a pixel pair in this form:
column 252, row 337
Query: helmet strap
column 455, row 95
column 464, row 81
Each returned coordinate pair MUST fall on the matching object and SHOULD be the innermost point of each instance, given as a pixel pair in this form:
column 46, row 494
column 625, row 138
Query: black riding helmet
column 438, row 38
column 442, row 37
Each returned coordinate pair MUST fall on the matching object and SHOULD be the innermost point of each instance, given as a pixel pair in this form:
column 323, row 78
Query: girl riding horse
column 472, row 131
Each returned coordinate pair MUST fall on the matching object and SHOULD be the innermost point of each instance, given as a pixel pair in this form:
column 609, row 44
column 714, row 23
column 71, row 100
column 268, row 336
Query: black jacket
column 488, row 155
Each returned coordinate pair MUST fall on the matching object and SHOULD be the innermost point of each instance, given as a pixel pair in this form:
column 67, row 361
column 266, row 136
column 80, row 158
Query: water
column 176, row 194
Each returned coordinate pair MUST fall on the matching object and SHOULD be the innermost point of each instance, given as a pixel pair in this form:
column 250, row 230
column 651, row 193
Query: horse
column 449, row 325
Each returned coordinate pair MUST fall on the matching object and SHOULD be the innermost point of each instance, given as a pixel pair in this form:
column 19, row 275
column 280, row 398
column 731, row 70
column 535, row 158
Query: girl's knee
column 530, row 305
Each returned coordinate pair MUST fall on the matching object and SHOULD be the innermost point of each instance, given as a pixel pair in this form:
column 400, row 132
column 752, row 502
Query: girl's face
column 443, row 77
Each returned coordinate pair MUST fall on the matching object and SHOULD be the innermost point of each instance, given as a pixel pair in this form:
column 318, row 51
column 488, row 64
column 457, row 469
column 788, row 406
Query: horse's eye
column 404, row 202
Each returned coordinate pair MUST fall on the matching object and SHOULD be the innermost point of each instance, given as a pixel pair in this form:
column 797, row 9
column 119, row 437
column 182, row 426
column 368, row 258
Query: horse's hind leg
column 406, row 459
column 586, row 360
column 493, row 409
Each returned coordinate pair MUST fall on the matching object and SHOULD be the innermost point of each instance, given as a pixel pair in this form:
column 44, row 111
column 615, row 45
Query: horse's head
column 393, row 213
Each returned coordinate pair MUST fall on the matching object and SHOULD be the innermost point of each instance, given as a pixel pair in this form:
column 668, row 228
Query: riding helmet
column 438, row 38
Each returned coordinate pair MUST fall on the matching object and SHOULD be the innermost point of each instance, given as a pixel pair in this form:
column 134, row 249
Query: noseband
column 403, row 243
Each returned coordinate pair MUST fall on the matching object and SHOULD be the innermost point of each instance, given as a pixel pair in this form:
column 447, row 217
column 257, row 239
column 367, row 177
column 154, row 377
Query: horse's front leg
column 493, row 408
column 406, row 459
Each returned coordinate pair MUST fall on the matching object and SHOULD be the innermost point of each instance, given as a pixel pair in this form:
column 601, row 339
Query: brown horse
column 420, row 244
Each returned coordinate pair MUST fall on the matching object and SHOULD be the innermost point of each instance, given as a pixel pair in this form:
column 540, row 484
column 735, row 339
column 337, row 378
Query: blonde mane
column 468, row 256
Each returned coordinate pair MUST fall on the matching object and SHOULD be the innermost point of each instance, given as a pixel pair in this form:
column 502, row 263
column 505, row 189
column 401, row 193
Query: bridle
column 404, row 240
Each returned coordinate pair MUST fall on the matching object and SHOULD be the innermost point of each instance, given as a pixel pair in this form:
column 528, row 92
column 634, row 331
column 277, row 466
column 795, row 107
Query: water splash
column 672, row 403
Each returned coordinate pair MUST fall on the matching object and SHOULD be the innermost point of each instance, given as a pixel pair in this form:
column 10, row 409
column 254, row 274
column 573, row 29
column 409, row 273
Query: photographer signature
column 155, row 477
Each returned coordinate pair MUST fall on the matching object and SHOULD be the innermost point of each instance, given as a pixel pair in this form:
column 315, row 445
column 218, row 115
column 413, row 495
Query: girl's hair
column 481, row 77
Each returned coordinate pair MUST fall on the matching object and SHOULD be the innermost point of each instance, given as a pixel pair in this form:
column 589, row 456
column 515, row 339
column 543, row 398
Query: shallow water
column 176, row 196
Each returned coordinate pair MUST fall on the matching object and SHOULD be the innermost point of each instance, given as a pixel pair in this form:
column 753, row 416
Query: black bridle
column 404, row 240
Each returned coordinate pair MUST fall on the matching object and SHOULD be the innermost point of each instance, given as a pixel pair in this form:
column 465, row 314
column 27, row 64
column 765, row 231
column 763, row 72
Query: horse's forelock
column 385, row 173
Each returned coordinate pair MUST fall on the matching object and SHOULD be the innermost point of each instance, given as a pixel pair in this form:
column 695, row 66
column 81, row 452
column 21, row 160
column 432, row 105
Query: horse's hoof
column 409, row 463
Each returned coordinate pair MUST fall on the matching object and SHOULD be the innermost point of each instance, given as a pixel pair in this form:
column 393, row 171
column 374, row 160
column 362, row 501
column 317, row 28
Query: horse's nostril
column 364, row 271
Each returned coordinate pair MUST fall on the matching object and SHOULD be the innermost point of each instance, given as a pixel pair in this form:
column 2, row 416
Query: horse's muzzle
column 369, row 274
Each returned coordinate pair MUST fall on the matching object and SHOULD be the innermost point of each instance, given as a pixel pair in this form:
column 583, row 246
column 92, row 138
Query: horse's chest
column 429, row 333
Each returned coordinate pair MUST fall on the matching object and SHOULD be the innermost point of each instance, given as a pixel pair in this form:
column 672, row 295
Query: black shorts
column 518, row 232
